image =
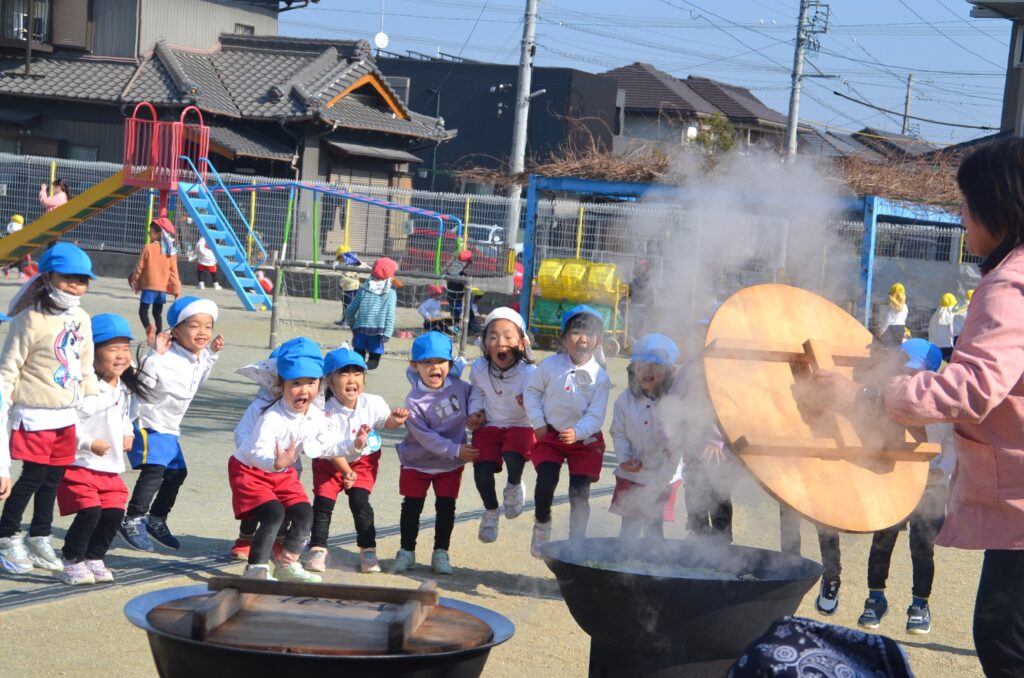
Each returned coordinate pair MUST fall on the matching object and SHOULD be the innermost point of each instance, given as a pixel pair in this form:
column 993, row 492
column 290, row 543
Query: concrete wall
column 197, row 23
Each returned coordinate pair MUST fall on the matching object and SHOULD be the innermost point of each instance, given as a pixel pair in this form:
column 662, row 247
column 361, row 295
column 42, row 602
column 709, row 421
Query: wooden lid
column 857, row 476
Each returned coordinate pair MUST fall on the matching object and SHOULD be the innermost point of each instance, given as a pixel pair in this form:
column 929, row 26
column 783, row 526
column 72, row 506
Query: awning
column 392, row 154
column 233, row 141
column 18, row 118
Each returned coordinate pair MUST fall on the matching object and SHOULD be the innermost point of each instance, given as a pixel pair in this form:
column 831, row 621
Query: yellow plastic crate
column 548, row 277
column 574, row 280
column 602, row 283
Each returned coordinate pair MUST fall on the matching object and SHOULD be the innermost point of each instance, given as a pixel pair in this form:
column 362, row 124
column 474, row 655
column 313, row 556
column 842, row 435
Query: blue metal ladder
column 200, row 204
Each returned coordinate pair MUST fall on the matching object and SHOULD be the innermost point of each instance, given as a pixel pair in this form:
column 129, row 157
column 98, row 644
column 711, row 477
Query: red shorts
column 252, row 487
column 493, row 442
column 412, row 483
column 640, row 504
column 53, row 447
column 327, row 478
column 584, row 458
column 83, row 488
column 669, row 512
column 211, row 268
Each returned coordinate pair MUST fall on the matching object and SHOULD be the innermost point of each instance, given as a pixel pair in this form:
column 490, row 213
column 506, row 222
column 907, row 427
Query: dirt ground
column 49, row 629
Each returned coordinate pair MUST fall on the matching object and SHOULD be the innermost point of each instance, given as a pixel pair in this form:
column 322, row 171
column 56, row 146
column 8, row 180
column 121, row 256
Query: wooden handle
column 380, row 594
column 220, row 607
column 741, row 349
column 408, row 618
column 826, row 448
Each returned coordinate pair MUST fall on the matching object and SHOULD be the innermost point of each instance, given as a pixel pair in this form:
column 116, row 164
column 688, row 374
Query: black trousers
column 155, row 481
column 362, row 515
column 37, row 481
column 208, row 277
column 925, row 523
column 579, row 498
column 828, row 542
column 484, row 472
column 158, row 316
column 999, row 614
column 444, row 524
column 91, row 534
column 372, row 359
column 271, row 516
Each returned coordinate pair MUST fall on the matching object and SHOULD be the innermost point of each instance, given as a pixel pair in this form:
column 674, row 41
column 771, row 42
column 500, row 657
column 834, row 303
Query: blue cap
column 298, row 366
column 186, row 307
column 578, row 310
column 432, row 345
column 655, row 348
column 107, row 326
column 66, row 259
column 921, row 355
column 297, row 346
column 340, row 358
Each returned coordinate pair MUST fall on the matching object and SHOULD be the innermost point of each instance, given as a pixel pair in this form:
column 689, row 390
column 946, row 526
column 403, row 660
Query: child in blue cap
column 434, row 449
column 175, row 368
column 925, row 521
column 566, row 400
column 265, row 484
column 647, row 460
column 92, row 489
column 47, row 370
column 351, row 464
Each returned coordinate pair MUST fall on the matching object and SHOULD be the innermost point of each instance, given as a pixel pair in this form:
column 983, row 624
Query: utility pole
column 517, row 161
column 798, row 73
column 906, row 104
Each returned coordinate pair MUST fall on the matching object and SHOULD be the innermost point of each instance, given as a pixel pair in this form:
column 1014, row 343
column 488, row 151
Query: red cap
column 164, row 224
column 465, row 255
column 384, row 268
column 434, row 290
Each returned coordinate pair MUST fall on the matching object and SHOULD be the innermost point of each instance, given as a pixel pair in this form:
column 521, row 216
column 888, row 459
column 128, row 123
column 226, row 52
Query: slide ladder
column 232, row 260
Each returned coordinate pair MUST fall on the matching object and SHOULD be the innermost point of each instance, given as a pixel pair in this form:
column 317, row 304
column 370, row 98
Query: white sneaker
column 13, row 555
column 368, row 561
column 201, row 285
column 217, row 286
column 513, row 500
column 100, row 572
column 316, row 561
column 488, row 532
column 541, row 536
column 41, row 553
column 258, row 572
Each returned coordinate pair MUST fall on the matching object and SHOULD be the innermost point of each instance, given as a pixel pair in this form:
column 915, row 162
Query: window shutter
column 71, row 26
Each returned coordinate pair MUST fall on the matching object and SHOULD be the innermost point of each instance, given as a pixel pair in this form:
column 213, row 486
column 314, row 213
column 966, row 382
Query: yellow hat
column 947, row 301
column 18, row 219
column 897, row 288
column 477, row 292
column 969, row 294
column 341, row 251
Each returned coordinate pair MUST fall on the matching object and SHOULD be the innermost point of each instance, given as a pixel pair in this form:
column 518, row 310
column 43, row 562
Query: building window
column 245, row 29
column 15, row 19
column 1018, row 45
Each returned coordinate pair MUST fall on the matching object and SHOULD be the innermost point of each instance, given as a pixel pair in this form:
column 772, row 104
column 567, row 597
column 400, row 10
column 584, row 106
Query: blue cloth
column 370, row 343
column 372, row 312
column 153, row 297
column 577, row 310
column 290, row 366
column 341, row 358
column 432, row 345
column 67, row 259
column 107, row 326
column 186, row 307
column 922, row 355
column 153, row 447
column 655, row 348
column 297, row 346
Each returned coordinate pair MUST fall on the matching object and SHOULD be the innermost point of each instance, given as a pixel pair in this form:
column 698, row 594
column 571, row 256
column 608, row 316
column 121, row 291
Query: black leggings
column 362, row 514
column 708, row 504
column 999, row 615
column 925, row 523
column 155, row 481
column 372, row 359
column 208, row 277
column 39, row 481
column 270, row 516
column 579, row 497
column 484, row 472
column 91, row 533
column 828, row 542
column 444, row 524
column 158, row 316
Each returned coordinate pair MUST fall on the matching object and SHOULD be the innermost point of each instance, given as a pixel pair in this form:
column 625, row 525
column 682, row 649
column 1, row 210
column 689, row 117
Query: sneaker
column 14, row 556
column 439, row 562
column 919, row 620
column 317, row 560
column 513, row 500
column 488, row 532
column 217, row 286
column 828, row 597
column 874, row 610
column 133, row 531
column 341, row 323
column 257, row 572
column 201, row 285
column 541, row 536
column 403, row 561
column 74, row 574
column 275, row 551
column 368, row 561
column 240, row 549
column 157, row 527
column 42, row 555
column 100, row 572
column 294, row 572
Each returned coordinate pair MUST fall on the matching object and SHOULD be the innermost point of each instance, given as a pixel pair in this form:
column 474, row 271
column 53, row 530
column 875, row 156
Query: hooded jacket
column 372, row 310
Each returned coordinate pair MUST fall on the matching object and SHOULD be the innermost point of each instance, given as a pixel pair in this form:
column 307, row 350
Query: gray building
column 1013, row 91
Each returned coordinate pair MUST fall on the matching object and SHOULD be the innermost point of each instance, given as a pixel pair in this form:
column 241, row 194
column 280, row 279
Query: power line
column 914, row 117
column 969, row 23
column 940, row 32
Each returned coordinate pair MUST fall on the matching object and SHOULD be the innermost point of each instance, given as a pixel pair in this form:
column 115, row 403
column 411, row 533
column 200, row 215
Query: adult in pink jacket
column 981, row 392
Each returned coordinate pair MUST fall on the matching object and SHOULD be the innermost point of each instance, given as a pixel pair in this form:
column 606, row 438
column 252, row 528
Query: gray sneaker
column 42, row 555
column 919, row 620
column 488, row 531
column 14, row 556
column 513, row 500
column 133, row 531
column 874, row 610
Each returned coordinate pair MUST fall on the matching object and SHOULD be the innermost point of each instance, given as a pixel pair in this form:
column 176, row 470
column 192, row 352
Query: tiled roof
column 247, row 142
column 834, row 145
column 648, row 89
column 62, row 78
column 888, row 143
column 736, row 103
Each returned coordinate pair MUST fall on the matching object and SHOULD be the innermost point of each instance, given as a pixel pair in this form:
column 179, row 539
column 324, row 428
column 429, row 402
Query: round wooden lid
column 855, row 476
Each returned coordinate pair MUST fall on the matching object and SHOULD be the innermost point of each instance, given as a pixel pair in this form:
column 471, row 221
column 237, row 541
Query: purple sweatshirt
column 436, row 427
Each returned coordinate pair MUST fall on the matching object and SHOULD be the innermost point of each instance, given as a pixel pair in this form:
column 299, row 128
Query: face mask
column 64, row 299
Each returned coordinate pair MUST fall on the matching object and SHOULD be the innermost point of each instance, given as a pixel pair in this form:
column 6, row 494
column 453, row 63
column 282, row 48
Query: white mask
column 64, row 299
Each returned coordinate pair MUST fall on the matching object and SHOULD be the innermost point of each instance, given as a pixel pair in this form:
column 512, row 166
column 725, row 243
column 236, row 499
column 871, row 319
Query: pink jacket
column 51, row 203
column 981, row 392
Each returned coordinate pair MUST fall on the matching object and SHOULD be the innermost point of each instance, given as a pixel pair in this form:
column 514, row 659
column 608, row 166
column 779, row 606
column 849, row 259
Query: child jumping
column 434, row 319
column 566, row 400
column 351, row 462
column 156, row 275
column 434, row 449
column 265, row 485
column 371, row 314
column 173, row 371
column 92, row 489
column 206, row 265
column 647, row 464
column 47, row 371
column 501, row 429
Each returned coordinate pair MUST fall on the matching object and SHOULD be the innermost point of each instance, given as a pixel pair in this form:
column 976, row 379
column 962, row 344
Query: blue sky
column 958, row 62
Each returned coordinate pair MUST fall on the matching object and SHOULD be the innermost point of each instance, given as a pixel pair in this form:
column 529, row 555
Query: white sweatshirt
column 563, row 396
column 498, row 396
column 281, row 425
column 637, row 434
column 344, row 423
column 431, row 309
column 173, row 377
column 109, row 421
column 204, row 255
column 942, row 434
column 893, row 317
column 940, row 327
